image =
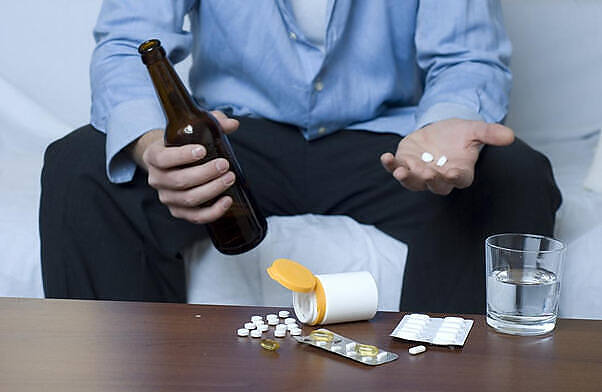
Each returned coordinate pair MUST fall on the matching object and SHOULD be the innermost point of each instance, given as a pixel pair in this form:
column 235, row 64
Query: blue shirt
column 387, row 65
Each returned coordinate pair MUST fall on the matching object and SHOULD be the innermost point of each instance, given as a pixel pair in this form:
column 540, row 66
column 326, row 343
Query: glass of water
column 523, row 282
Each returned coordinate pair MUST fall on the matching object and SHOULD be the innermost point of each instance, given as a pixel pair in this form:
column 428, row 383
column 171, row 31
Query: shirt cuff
column 446, row 110
column 127, row 122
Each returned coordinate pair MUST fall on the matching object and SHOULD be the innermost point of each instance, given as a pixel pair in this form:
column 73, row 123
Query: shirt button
column 292, row 35
column 321, row 130
column 318, row 85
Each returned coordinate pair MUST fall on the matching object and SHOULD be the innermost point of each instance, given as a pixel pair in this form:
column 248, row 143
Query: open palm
column 458, row 140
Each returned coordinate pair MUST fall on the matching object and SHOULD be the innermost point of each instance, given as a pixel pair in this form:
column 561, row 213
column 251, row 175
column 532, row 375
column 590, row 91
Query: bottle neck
column 172, row 93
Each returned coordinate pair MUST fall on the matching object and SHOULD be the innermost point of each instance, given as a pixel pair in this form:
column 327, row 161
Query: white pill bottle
column 328, row 298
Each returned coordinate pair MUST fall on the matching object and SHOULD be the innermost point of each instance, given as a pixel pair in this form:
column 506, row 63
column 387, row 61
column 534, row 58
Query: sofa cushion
column 556, row 66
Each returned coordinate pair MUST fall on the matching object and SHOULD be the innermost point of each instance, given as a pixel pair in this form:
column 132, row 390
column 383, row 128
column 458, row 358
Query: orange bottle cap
column 292, row 275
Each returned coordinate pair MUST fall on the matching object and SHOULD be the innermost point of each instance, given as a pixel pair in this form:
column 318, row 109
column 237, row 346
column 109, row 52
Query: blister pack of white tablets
column 448, row 331
column 363, row 353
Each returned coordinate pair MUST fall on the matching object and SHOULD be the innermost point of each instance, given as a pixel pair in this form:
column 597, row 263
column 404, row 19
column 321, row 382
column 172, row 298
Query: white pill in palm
column 427, row 157
column 442, row 161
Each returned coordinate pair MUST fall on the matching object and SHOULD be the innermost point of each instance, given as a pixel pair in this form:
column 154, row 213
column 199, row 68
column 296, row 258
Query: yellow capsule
column 366, row 350
column 321, row 335
column 269, row 344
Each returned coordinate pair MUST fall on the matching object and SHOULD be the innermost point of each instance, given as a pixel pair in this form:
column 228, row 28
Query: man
column 325, row 93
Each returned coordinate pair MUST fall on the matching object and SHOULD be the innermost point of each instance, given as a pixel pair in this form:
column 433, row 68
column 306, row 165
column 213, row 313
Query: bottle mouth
column 149, row 46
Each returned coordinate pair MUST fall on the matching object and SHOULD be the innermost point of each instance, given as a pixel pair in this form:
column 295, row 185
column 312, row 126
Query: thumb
column 228, row 125
column 494, row 134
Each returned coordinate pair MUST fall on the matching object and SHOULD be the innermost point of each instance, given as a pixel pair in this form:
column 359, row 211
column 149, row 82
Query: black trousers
column 106, row 241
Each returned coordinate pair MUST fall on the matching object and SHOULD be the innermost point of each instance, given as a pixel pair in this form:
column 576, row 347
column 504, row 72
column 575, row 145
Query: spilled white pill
column 427, row 157
column 417, row 350
column 242, row 332
column 442, row 161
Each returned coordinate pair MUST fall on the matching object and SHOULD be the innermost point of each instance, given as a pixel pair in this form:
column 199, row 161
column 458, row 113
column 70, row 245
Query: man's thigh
column 102, row 240
column 346, row 177
column 271, row 155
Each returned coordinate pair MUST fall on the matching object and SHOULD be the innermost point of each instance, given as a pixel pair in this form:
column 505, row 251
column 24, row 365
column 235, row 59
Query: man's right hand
column 183, row 190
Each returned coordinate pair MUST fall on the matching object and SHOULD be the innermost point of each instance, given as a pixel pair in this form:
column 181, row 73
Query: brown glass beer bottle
column 243, row 226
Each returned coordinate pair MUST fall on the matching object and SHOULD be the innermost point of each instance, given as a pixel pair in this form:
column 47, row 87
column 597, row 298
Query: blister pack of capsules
column 348, row 348
column 448, row 331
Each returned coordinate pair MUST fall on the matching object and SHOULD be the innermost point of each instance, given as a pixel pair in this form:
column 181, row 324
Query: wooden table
column 56, row 345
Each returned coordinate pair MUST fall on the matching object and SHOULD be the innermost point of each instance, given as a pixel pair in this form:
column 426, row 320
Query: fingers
column 159, row 156
column 228, row 125
column 436, row 183
column 402, row 171
column 416, row 175
column 388, row 161
column 459, row 178
column 205, row 214
column 493, row 134
column 184, row 188
column 198, row 195
column 188, row 177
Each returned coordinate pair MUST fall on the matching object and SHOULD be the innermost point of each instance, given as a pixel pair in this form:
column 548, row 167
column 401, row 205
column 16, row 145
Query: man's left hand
column 458, row 140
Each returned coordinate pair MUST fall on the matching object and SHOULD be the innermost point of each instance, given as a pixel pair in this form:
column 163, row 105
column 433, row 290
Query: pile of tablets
column 257, row 326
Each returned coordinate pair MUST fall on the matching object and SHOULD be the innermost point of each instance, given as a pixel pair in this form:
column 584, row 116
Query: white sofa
column 44, row 94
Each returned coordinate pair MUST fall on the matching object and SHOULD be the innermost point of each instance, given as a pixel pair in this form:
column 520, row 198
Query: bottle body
column 338, row 298
column 243, row 226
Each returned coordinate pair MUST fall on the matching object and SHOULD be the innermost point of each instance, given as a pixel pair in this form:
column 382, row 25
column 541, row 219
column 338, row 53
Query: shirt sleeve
column 463, row 49
column 124, row 104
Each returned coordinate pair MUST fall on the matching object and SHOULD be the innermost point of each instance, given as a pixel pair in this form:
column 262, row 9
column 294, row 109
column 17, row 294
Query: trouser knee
column 66, row 159
column 519, row 180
